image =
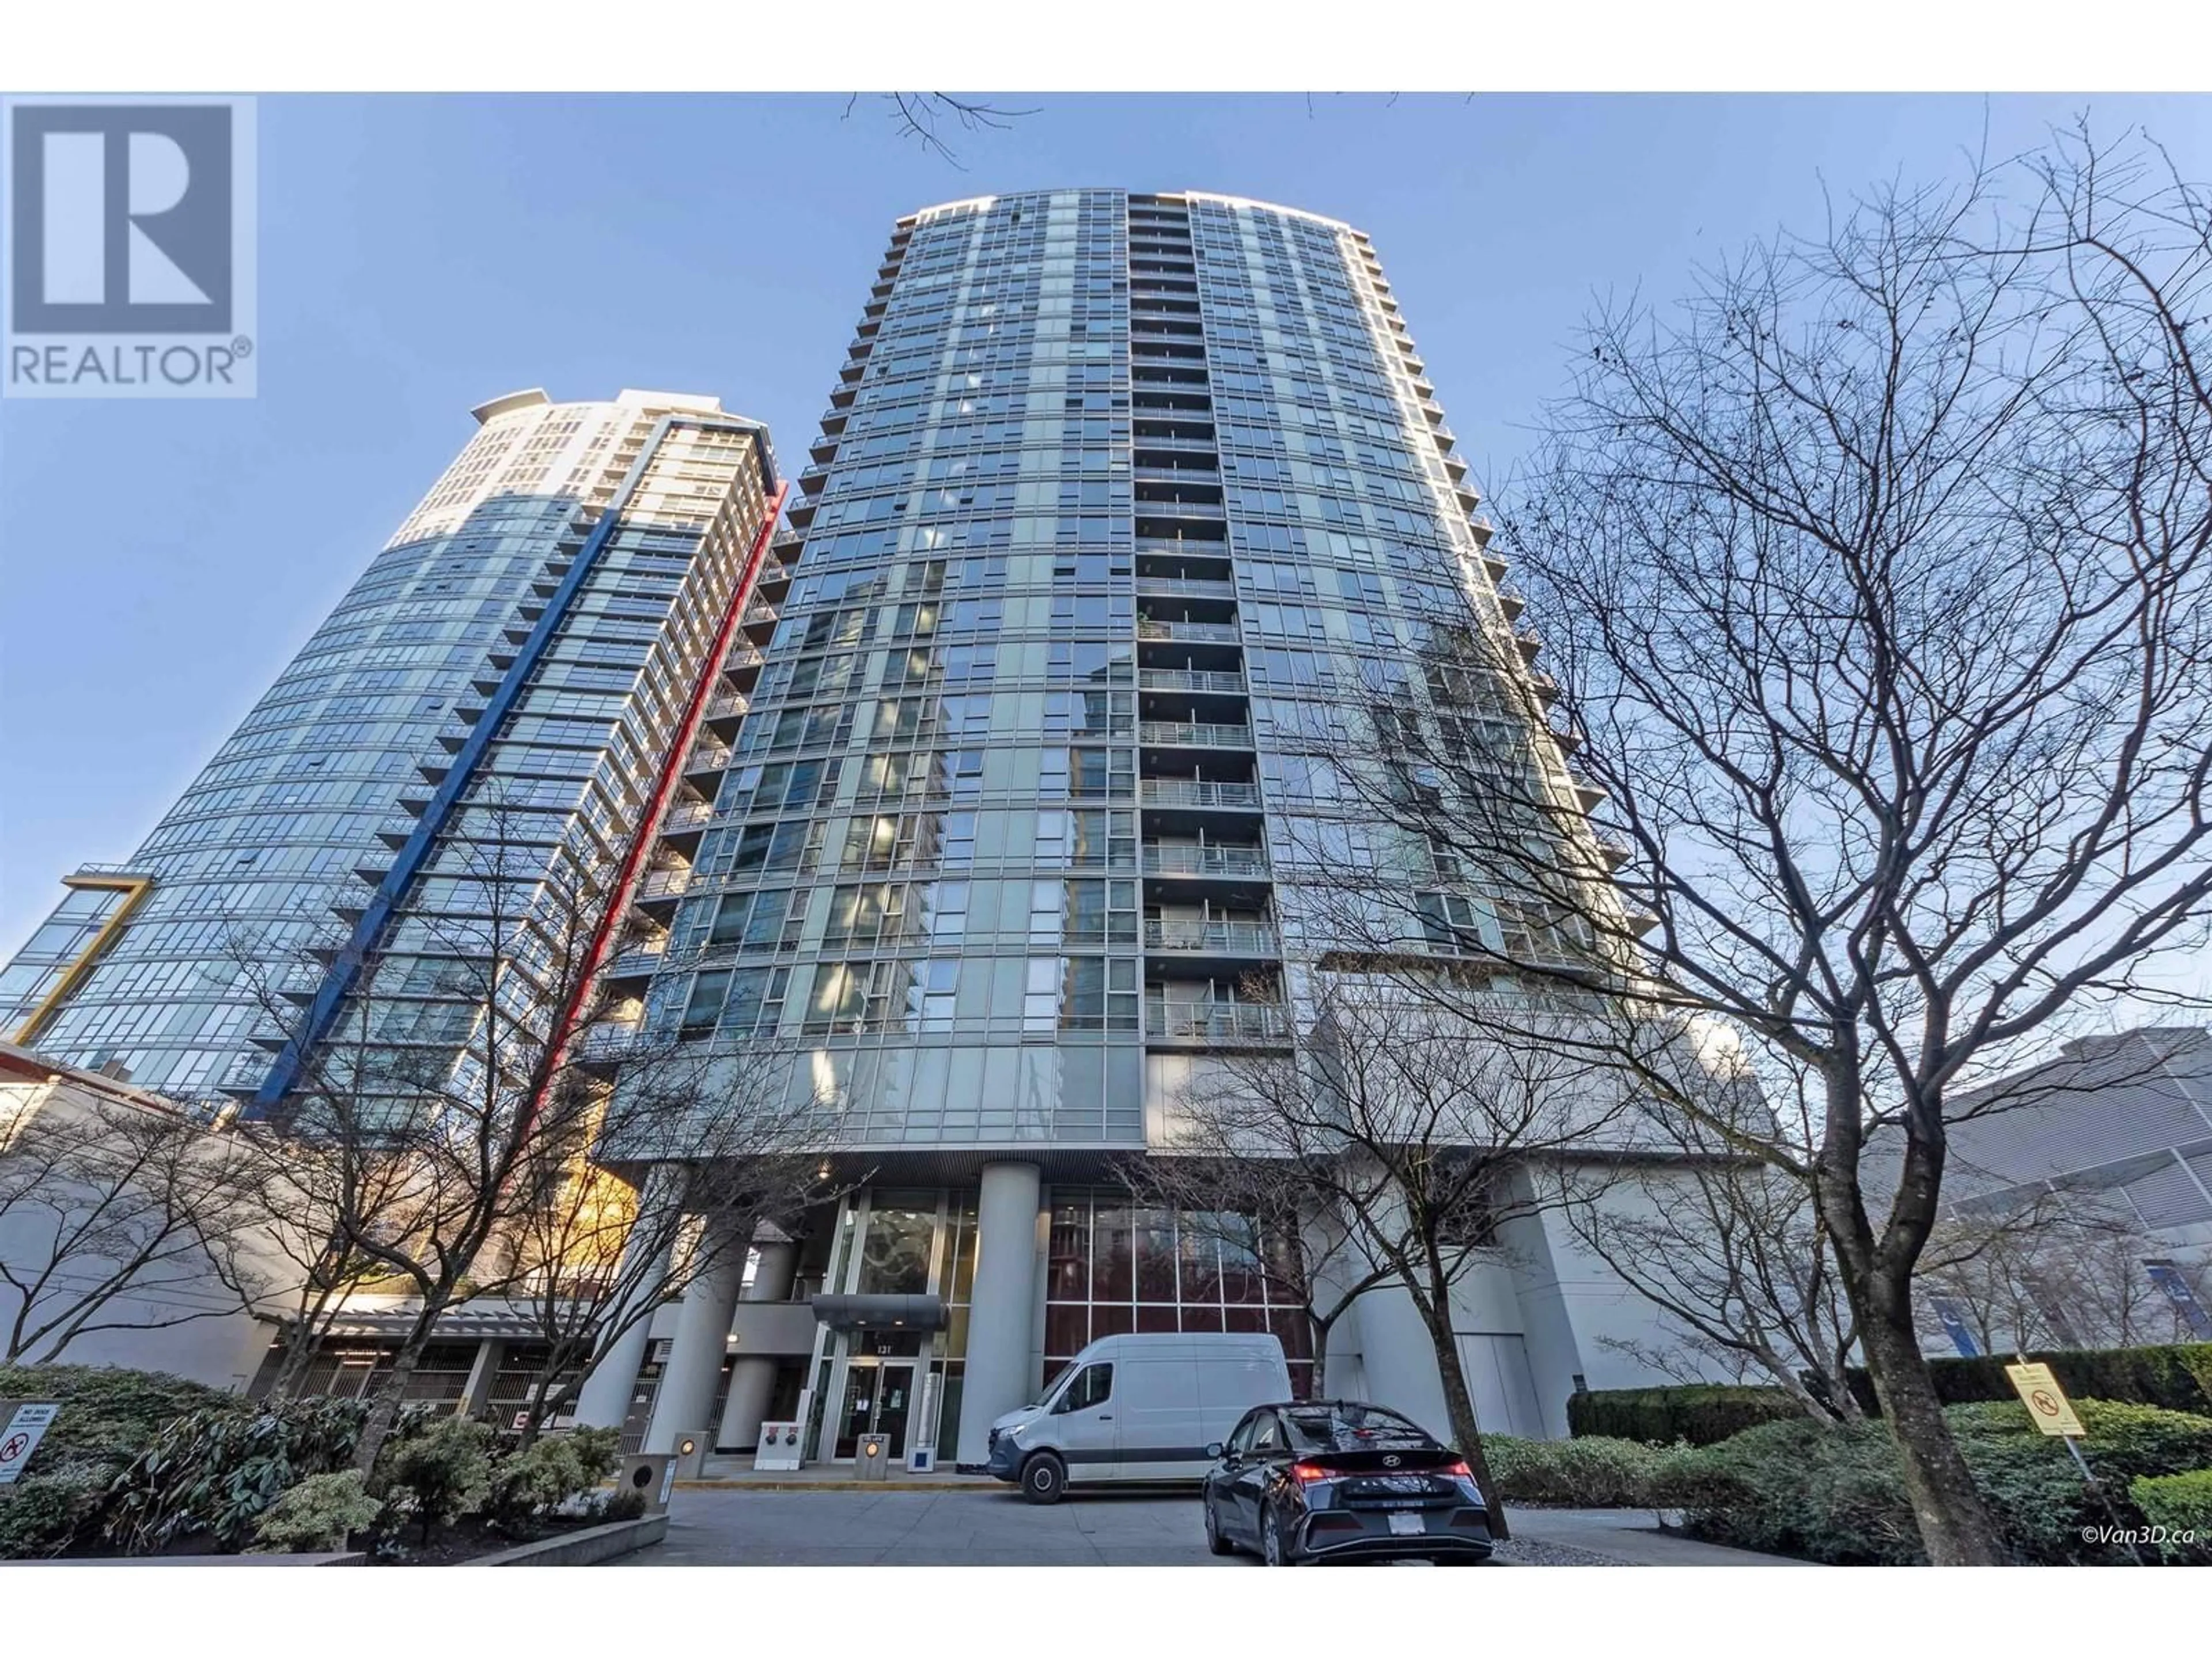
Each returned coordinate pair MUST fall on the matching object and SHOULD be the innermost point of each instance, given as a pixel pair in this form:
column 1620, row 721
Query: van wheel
column 1045, row 1479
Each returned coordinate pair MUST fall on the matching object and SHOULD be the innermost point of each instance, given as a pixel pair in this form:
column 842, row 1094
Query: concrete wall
column 176, row 1314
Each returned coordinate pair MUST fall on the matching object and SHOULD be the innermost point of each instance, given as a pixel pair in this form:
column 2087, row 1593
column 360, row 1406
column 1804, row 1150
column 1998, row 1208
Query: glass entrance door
column 878, row 1400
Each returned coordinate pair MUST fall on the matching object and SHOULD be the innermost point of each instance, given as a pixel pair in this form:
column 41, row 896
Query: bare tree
column 589, row 1256
column 120, row 1215
column 1872, row 578
column 1419, row 1145
column 924, row 117
column 1272, row 1217
column 472, row 1062
column 2050, row 1270
column 1729, row 1252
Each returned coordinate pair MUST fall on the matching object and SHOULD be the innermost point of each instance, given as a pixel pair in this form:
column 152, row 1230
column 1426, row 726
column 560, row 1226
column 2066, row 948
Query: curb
column 749, row 1485
column 580, row 1549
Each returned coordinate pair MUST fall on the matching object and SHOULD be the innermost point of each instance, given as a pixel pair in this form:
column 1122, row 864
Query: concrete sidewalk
column 1633, row 1538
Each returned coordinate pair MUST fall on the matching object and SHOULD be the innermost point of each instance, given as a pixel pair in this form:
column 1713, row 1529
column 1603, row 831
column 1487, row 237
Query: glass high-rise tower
column 551, row 627
column 1120, row 501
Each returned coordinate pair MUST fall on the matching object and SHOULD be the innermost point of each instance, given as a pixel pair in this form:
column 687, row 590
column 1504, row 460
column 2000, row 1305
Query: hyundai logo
column 1392, row 1462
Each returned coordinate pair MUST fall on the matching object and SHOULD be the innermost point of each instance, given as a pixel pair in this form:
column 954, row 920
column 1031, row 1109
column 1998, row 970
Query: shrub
column 627, row 1504
column 44, row 1513
column 109, row 1413
column 215, row 1471
column 436, row 1468
column 550, row 1471
column 2182, row 1505
column 1828, row 1492
column 1594, row 1473
column 319, row 1513
column 1836, row 1493
column 1701, row 1414
column 2176, row 1377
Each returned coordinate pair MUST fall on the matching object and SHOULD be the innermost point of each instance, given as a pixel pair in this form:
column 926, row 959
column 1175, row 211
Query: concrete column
column 695, row 1357
column 752, row 1376
column 1003, row 1305
column 476, row 1393
column 604, row 1401
column 1397, row 1356
column 1399, row 1359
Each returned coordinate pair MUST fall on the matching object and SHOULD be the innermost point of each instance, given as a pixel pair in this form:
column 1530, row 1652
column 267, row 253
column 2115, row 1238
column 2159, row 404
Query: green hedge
column 2177, row 1377
column 1701, row 1414
column 109, row 1415
column 1836, row 1494
column 2182, row 1505
column 1592, row 1473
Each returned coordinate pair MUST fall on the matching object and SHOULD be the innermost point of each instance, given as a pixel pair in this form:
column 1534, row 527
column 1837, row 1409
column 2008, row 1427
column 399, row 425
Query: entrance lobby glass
column 878, row 1400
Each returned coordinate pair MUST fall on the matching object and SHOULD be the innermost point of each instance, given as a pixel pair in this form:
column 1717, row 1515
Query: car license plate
column 1408, row 1525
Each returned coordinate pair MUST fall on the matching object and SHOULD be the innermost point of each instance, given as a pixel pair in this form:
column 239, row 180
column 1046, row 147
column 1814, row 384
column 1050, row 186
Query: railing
column 1241, row 938
column 708, row 757
column 1200, row 633
column 1200, row 734
column 1204, row 587
column 1199, row 791
column 688, row 815
column 730, row 705
column 665, row 883
column 1218, row 1022
column 1206, row 860
column 1227, row 680
column 1189, row 547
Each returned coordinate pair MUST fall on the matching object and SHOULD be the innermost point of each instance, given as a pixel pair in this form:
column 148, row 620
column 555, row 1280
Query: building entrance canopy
column 880, row 1312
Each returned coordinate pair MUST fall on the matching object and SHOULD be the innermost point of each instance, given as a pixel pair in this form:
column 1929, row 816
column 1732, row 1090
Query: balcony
column 1224, row 1023
column 1190, row 632
column 687, row 815
column 1204, row 860
column 1224, row 682
column 708, row 757
column 1193, row 734
column 1199, row 587
column 1216, row 938
column 1201, row 792
column 731, row 705
column 665, row 884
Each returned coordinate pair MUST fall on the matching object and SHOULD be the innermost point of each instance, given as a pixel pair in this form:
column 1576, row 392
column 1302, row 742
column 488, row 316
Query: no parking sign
column 25, row 1428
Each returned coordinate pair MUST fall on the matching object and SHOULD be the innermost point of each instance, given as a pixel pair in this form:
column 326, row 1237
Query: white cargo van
column 1137, row 1409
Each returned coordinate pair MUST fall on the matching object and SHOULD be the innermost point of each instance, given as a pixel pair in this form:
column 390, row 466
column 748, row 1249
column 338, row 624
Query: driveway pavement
column 964, row 1527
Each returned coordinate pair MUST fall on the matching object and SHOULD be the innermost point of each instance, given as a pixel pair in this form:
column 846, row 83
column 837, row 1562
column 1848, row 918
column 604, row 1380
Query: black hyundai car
column 1341, row 1480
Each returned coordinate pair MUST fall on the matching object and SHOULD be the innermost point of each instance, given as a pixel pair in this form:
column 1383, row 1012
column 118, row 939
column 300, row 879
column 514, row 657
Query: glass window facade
column 1118, row 497
column 1111, row 1269
column 278, row 844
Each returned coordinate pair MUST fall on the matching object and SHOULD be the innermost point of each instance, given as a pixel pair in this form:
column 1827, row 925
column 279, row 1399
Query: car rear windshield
column 1350, row 1428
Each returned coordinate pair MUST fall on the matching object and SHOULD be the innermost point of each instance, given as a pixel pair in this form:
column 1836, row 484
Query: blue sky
column 161, row 562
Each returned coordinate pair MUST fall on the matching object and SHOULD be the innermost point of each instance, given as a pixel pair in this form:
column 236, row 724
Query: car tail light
column 1306, row 1473
column 1458, row 1469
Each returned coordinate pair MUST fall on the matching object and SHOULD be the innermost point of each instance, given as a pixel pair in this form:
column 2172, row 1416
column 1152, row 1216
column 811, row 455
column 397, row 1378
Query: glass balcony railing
column 1204, row 860
column 1201, row 587
column 1200, row 792
column 1222, row 681
column 1218, row 1022
column 1198, row 633
column 1237, row 939
column 1201, row 734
